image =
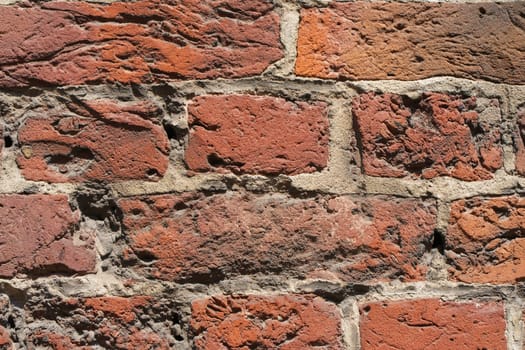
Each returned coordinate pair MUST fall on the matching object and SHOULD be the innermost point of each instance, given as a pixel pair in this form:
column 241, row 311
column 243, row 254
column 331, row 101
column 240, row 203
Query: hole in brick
column 215, row 161
column 419, row 58
column 482, row 10
column 438, row 241
column 146, row 256
column 367, row 308
column 170, row 131
column 400, row 26
column 11, row 321
column 502, row 212
column 152, row 172
column 8, row 141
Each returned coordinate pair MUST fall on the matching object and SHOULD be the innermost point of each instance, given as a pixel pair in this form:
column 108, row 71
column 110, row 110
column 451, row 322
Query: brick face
column 257, row 135
column 484, row 240
column 436, row 135
column 432, row 324
column 194, row 238
column 409, row 41
column 37, row 237
column 94, row 140
column 109, row 322
column 144, row 41
column 283, row 322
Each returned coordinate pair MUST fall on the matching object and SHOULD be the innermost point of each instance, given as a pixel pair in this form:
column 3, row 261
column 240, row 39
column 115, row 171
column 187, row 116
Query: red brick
column 134, row 323
column 484, row 240
column 64, row 43
column 410, row 41
column 436, row 135
column 257, row 135
column 5, row 340
column 432, row 324
column 38, row 235
column 94, row 140
column 190, row 237
column 266, row 322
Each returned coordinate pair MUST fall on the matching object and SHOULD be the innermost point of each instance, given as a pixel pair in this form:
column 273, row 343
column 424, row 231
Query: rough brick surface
column 94, row 140
column 409, row 41
column 437, row 135
column 194, row 238
column 253, row 134
column 266, row 322
column 5, row 340
column 39, row 236
column 142, row 41
column 485, row 243
column 105, row 322
column 432, row 324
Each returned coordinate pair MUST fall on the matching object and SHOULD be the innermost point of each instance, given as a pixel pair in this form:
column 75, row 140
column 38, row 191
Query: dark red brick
column 432, row 324
column 71, row 43
column 413, row 40
column 485, row 243
column 257, row 135
column 94, row 140
column 283, row 322
column 39, row 235
column 110, row 322
column 437, row 135
column 190, row 237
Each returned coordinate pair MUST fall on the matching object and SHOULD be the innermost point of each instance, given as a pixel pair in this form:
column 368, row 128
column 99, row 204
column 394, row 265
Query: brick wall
column 256, row 174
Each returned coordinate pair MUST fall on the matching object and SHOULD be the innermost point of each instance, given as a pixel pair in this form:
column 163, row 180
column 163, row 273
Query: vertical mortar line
column 514, row 324
column 289, row 28
column 508, row 125
column 350, row 323
column 438, row 264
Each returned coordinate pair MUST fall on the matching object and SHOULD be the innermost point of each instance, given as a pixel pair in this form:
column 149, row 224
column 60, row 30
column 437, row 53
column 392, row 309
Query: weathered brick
column 39, row 235
column 257, row 135
column 432, row 324
column 5, row 340
column 435, row 135
column 410, row 41
column 190, row 237
column 266, row 322
column 484, row 242
column 63, row 43
column 101, row 140
column 109, row 322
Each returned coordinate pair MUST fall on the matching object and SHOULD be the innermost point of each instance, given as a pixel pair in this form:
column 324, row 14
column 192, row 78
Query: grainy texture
column 143, row 41
column 262, row 174
column 436, row 135
column 432, row 324
column 37, row 237
column 283, row 322
column 94, row 140
column 485, row 242
column 108, row 322
column 409, row 41
column 257, row 135
column 194, row 238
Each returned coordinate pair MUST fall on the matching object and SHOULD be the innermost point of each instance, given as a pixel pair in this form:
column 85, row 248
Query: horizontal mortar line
column 276, row 82
column 379, row 291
